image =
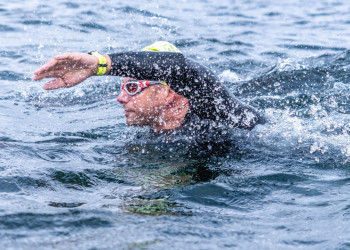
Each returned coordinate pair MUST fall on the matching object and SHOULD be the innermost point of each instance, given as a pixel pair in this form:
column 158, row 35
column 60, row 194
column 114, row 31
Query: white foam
column 229, row 76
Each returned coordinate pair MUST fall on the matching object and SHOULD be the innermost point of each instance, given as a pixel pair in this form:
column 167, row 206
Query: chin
column 131, row 122
column 135, row 120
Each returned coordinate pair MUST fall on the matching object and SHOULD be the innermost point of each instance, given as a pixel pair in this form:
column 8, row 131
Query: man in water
column 161, row 88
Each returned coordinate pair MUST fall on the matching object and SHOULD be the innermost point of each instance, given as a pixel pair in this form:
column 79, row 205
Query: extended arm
column 208, row 98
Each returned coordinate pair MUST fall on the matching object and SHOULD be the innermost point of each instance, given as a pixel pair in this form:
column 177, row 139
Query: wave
column 309, row 75
column 131, row 10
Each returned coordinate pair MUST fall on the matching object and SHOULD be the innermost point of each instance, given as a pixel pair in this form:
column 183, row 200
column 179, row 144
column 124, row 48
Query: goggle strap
column 157, row 82
column 141, row 85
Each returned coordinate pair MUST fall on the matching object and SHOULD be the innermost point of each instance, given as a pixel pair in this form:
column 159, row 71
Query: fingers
column 66, row 81
column 55, row 61
column 49, row 74
column 60, row 64
column 69, row 69
column 46, row 67
column 55, row 84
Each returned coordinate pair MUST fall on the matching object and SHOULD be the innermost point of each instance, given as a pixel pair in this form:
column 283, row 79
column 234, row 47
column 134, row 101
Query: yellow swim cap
column 161, row 46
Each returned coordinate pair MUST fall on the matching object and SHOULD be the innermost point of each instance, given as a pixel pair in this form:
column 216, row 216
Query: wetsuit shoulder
column 209, row 99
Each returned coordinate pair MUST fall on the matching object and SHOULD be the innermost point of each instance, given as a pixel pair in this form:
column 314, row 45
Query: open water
column 74, row 176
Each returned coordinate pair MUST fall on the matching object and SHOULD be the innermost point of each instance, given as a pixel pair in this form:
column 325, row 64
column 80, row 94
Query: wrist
column 109, row 64
column 95, row 66
column 101, row 67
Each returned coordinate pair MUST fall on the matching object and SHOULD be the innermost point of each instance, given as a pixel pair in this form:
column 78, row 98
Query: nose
column 123, row 97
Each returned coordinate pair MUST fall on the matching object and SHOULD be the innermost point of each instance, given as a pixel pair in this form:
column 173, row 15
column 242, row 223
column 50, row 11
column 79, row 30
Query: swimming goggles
column 135, row 87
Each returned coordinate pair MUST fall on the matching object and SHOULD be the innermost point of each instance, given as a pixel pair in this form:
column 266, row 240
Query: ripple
column 232, row 53
column 107, row 175
column 184, row 43
column 6, row 139
column 68, row 140
column 10, row 54
column 323, row 14
column 53, row 155
column 244, row 23
column 338, row 182
column 89, row 13
column 131, row 10
column 274, row 53
column 282, row 177
column 6, row 28
column 300, row 243
column 66, row 204
column 50, row 221
column 73, row 29
column 12, row 76
column 242, row 67
column 27, row 181
column 71, row 5
column 239, row 43
column 231, row 14
column 93, row 25
column 286, row 81
column 344, row 245
column 8, row 186
column 36, row 22
column 271, row 14
column 245, row 33
column 233, row 196
column 207, row 194
column 311, row 47
column 92, row 96
column 74, row 180
column 301, row 22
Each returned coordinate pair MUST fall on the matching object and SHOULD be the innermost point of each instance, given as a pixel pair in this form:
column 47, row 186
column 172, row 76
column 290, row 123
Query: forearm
column 164, row 66
column 184, row 76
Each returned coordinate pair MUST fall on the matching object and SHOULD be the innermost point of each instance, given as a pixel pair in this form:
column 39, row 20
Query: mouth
column 127, row 112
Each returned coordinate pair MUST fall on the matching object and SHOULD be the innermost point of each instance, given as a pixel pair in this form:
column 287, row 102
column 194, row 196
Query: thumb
column 55, row 84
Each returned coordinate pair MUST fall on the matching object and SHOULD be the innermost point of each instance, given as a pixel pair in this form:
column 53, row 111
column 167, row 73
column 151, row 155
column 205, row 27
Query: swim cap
column 161, row 46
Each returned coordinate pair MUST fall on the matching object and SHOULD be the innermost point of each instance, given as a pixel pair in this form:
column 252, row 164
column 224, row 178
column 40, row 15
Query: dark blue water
column 73, row 175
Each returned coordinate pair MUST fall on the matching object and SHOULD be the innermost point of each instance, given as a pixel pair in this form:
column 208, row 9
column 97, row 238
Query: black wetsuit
column 209, row 99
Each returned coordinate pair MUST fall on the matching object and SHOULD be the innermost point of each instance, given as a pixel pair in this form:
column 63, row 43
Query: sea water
column 73, row 175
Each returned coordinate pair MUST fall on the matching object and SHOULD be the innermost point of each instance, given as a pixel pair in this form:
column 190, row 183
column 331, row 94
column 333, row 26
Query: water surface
column 73, row 175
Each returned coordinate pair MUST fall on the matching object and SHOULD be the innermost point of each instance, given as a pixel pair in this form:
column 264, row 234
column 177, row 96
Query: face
column 145, row 107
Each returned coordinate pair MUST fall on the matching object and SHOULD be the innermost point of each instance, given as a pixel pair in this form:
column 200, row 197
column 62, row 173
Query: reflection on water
column 158, row 172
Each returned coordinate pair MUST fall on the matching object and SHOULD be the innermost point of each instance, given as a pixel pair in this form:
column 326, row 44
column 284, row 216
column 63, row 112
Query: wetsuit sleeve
column 209, row 99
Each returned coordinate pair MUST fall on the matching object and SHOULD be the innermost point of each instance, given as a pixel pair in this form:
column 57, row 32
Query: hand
column 69, row 69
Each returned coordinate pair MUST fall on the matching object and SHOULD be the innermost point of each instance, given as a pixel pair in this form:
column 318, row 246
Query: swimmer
column 161, row 88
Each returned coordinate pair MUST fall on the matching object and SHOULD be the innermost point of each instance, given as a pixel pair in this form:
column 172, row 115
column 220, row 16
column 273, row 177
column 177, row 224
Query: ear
column 169, row 96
